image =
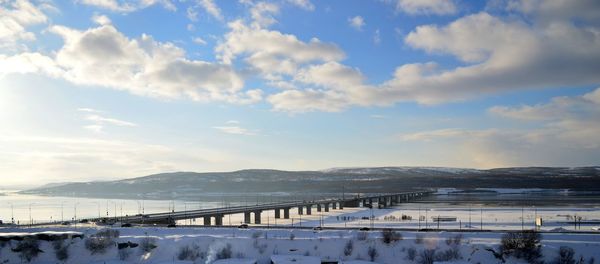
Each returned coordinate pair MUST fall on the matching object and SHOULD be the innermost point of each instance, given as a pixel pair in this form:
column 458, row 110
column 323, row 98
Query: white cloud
column 426, row 7
column 99, row 121
column 304, row 4
column 192, row 14
column 262, row 14
column 101, row 19
column 89, row 110
column 235, row 130
column 107, row 120
column 499, row 55
column 377, row 37
column 211, row 8
column 126, row 6
column 272, row 52
column 28, row 62
column 562, row 132
column 199, row 41
column 356, row 22
column 15, row 17
column 434, row 134
column 105, row 57
column 308, row 100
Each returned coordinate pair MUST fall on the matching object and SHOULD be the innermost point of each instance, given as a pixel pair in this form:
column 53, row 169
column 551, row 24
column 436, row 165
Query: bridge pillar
column 370, row 201
column 334, row 205
column 300, row 210
column 206, row 220
column 341, row 205
column 327, row 207
column 309, row 209
column 247, row 218
column 277, row 213
column 257, row 216
column 218, row 220
column 351, row 203
column 286, row 213
column 318, row 207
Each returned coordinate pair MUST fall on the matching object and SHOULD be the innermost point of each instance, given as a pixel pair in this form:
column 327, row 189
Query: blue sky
column 105, row 89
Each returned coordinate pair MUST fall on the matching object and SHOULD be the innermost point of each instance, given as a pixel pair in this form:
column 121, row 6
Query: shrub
column 525, row 245
column 362, row 236
column 61, row 250
column 147, row 244
column 28, row 248
column 426, row 256
column 565, row 256
column 101, row 241
column 455, row 240
column 411, row 253
column 448, row 255
column 390, row 236
column 372, row 252
column 188, row 253
column 292, row 236
column 225, row 252
column 348, row 248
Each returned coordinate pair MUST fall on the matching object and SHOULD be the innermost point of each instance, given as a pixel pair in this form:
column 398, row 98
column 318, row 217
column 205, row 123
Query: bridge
column 281, row 210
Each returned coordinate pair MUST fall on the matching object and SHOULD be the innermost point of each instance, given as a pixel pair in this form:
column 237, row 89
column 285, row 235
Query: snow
column 235, row 261
column 294, row 259
column 262, row 245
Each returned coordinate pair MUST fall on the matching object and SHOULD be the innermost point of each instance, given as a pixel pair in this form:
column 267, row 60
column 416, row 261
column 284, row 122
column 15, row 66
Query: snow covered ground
column 273, row 237
column 203, row 245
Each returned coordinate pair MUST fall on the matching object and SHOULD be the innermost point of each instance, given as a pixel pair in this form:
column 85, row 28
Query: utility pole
column 522, row 218
column 481, row 219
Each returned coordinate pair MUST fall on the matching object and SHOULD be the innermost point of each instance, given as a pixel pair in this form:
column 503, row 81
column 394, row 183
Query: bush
column 448, row 255
column 101, row 241
column 147, row 244
column 372, row 252
column 348, row 248
column 292, row 236
column 455, row 240
column 426, row 256
column 565, row 256
column 61, row 250
column 390, row 236
column 29, row 248
column 188, row 253
column 525, row 245
column 224, row 253
column 411, row 253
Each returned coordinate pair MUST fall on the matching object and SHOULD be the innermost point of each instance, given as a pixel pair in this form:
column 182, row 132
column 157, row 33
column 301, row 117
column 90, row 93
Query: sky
column 110, row 89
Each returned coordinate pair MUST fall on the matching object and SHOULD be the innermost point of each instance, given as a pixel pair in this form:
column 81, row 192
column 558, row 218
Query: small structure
column 443, row 218
column 294, row 259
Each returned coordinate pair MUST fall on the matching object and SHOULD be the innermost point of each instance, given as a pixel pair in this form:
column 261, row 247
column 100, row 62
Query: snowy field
column 205, row 245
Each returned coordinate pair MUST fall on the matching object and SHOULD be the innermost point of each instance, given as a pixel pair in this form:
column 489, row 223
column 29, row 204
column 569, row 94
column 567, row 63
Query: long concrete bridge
column 282, row 210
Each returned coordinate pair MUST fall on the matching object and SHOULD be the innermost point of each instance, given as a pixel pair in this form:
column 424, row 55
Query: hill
column 191, row 185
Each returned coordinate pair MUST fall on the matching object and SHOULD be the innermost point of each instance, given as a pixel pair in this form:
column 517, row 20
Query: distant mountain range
column 192, row 185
